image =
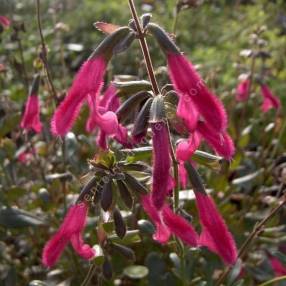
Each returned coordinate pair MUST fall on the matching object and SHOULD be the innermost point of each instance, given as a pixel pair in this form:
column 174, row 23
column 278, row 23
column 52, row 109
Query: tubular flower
column 188, row 112
column 161, row 163
column 105, row 118
column 179, row 226
column 187, row 147
column 220, row 142
column 5, row 22
column 183, row 176
column 88, row 82
column 188, row 82
column 70, row 231
column 269, row 100
column 167, row 223
column 215, row 234
column 242, row 90
column 162, row 233
column 31, row 116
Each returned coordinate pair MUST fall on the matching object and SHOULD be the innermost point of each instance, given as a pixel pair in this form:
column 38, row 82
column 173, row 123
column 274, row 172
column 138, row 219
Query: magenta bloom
column 220, row 142
column 188, row 112
column 187, row 147
column 278, row 268
column 269, row 100
column 188, row 82
column 104, row 117
column 70, row 231
column 183, row 175
column 242, row 90
column 31, row 116
column 167, row 223
column 179, row 226
column 162, row 233
column 161, row 163
column 5, row 22
column 215, row 234
column 88, row 82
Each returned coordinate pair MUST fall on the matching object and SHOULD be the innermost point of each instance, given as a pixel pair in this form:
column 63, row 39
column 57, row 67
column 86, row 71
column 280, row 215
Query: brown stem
column 25, row 74
column 145, row 50
column 258, row 228
column 44, row 53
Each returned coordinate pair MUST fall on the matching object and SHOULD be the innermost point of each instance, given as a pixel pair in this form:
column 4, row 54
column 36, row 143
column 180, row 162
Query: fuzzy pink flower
column 104, row 117
column 88, row 81
column 187, row 111
column 215, row 234
column 220, row 142
column 31, row 116
column 161, row 163
column 5, row 22
column 162, row 233
column 278, row 268
column 26, row 156
column 269, row 100
column 187, row 147
column 70, row 231
column 242, row 90
column 179, row 226
column 188, row 82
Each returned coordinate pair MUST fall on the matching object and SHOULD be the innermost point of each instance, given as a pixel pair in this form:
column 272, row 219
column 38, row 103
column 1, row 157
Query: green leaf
column 120, row 227
column 15, row 218
column 134, row 185
column 124, row 194
column 136, row 271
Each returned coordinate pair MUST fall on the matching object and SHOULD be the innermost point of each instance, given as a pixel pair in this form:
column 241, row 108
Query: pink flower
column 161, row 163
column 88, row 82
column 188, row 112
column 105, row 118
column 188, row 82
column 31, row 116
column 269, row 100
column 187, row 147
column 162, row 233
column 215, row 234
column 220, row 142
column 183, row 176
column 278, row 268
column 242, row 90
column 5, row 22
column 70, row 231
column 179, row 226
column 167, row 223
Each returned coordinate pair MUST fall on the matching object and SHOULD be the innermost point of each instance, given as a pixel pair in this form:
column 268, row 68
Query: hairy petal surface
column 215, row 234
column 69, row 231
column 220, row 142
column 162, row 233
column 186, row 148
column 88, row 81
column 187, row 81
column 179, row 226
column 161, row 163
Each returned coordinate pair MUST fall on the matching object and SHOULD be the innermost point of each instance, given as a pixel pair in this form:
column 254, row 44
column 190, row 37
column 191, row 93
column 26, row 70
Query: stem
column 176, row 16
column 89, row 275
column 25, row 75
column 145, row 50
column 44, row 54
column 258, row 228
column 272, row 281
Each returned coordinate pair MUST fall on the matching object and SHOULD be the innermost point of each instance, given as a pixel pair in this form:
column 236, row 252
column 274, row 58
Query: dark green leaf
column 134, row 185
column 124, row 193
column 124, row 250
column 157, row 110
column 106, row 197
column 120, row 227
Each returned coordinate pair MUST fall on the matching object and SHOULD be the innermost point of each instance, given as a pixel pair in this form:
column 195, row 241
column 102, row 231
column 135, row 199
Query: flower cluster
column 269, row 99
column 203, row 116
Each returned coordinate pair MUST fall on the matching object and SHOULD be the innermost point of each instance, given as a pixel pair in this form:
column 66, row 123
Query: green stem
column 272, row 281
